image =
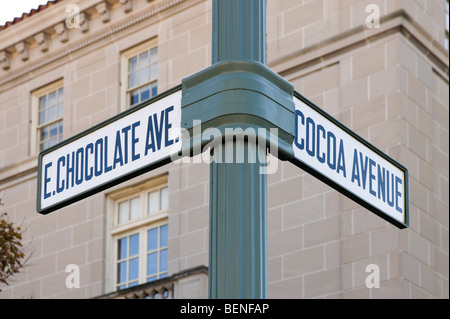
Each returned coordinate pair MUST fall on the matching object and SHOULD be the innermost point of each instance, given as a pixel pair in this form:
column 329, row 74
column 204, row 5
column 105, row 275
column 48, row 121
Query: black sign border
column 345, row 191
column 112, row 182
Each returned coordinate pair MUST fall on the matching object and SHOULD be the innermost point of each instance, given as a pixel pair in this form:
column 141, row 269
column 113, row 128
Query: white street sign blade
column 330, row 151
column 129, row 144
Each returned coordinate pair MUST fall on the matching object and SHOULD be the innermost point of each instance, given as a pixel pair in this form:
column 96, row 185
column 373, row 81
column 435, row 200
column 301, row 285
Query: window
column 157, row 252
column 446, row 25
column 47, row 117
column 140, row 73
column 140, row 233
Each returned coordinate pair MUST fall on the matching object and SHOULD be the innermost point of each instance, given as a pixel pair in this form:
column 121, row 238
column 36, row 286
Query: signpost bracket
column 238, row 94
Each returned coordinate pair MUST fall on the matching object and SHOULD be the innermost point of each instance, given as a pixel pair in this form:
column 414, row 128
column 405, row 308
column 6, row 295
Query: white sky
column 12, row 9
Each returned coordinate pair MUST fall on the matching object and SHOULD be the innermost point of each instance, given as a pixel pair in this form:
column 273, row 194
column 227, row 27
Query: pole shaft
column 238, row 191
column 239, row 30
column 238, row 223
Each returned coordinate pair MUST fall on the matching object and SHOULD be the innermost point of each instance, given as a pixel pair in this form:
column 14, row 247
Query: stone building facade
column 385, row 79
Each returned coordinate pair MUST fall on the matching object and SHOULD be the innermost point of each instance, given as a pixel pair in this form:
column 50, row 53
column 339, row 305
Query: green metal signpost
column 239, row 91
column 241, row 95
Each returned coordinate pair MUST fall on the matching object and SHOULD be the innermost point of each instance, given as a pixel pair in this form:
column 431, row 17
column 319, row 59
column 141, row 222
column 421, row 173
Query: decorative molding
column 84, row 22
column 41, row 39
column 148, row 290
column 103, row 10
column 4, row 60
column 398, row 22
column 22, row 50
column 70, row 49
column 127, row 5
column 60, row 29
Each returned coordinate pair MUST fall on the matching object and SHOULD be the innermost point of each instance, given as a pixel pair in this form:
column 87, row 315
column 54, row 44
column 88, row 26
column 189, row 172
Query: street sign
column 127, row 145
column 238, row 89
column 337, row 156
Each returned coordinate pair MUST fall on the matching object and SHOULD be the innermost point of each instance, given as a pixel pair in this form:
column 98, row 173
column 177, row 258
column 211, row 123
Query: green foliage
column 11, row 250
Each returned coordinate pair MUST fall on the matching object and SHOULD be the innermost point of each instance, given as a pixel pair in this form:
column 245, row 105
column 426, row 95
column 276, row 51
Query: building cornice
column 398, row 22
column 56, row 30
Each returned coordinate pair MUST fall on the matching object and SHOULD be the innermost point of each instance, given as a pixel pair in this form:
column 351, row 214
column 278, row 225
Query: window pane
column 122, row 248
column 154, row 88
column 134, row 269
column 164, row 198
column 132, row 82
column 60, row 109
column 53, row 131
column 133, row 64
column 143, row 59
column 154, row 55
column 42, row 117
column 134, row 245
column 164, row 236
column 52, row 99
column 135, row 208
column 122, row 272
column 43, row 102
column 51, row 113
column 152, row 239
column 134, row 97
column 163, row 260
column 145, row 93
column 143, row 75
column 153, row 202
column 153, row 71
column 44, row 133
column 60, row 95
column 52, row 141
column 152, row 264
column 123, row 212
column 50, row 110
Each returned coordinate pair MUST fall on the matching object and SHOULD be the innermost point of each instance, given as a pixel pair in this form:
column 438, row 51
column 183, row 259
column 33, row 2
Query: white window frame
column 140, row 225
column 125, row 57
column 35, row 127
